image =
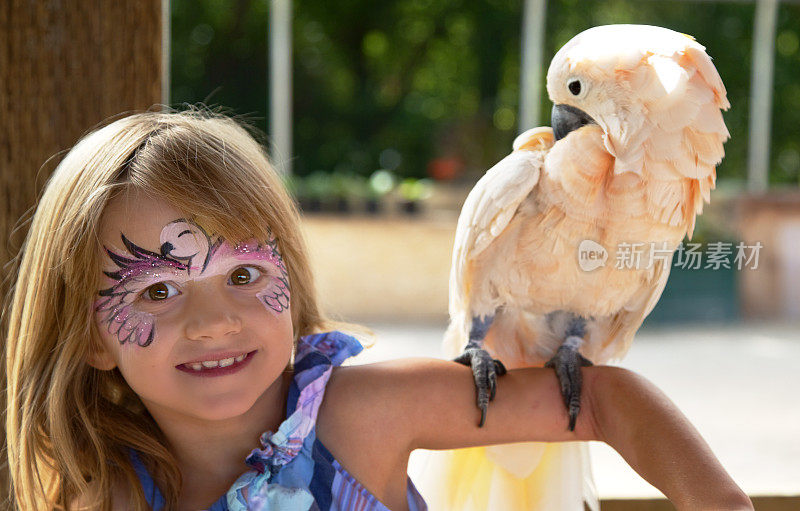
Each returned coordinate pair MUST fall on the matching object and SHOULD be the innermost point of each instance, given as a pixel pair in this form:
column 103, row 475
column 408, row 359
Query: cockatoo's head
column 649, row 89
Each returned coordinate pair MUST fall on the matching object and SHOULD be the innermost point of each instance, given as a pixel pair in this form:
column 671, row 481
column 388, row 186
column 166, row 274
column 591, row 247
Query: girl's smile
column 217, row 365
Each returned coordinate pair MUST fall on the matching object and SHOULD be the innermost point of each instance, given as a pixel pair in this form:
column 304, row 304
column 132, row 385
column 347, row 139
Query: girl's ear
column 101, row 359
column 99, row 356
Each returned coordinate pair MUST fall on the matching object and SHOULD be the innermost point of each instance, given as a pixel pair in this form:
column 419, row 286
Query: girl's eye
column 245, row 275
column 158, row 292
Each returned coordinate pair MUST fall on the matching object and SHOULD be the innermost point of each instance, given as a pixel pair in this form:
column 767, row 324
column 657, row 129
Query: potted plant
column 343, row 191
column 317, row 190
column 381, row 182
column 413, row 192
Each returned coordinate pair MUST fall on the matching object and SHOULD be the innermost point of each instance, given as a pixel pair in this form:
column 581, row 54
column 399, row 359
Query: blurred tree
column 398, row 84
column 785, row 166
column 219, row 55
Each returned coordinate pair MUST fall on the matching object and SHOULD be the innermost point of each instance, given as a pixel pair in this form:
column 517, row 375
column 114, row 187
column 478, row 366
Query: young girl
column 165, row 350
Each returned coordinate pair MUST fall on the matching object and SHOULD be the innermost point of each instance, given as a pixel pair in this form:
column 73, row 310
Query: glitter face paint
column 276, row 295
column 186, row 253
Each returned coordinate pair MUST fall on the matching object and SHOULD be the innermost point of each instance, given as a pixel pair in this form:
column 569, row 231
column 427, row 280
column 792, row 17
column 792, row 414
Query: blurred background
column 397, row 108
column 383, row 115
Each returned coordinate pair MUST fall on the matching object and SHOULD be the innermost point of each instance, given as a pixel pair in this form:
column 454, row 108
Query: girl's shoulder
column 390, row 394
column 351, row 392
column 362, row 423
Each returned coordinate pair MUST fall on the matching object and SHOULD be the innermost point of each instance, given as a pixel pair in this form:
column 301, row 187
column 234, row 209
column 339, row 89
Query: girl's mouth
column 223, row 367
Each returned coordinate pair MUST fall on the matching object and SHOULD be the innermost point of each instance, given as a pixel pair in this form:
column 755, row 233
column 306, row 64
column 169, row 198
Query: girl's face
column 198, row 326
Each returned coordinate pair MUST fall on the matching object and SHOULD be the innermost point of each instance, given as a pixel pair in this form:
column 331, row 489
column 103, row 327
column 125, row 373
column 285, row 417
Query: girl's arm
column 659, row 442
column 430, row 404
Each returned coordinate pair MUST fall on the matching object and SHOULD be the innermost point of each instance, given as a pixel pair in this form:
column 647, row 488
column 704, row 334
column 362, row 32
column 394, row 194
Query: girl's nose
column 213, row 326
column 211, row 318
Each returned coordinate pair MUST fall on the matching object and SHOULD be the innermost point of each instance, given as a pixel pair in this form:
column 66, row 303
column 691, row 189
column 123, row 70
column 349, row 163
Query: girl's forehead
column 137, row 228
column 138, row 217
column 140, row 227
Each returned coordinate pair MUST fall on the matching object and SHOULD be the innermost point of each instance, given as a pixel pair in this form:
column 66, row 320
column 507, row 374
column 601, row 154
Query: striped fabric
column 292, row 470
column 352, row 496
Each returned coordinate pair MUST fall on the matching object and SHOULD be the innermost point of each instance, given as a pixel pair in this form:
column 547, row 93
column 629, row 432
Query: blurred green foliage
column 395, row 84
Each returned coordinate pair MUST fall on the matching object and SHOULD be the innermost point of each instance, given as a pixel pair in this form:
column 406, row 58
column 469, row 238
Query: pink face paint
column 277, row 293
column 114, row 309
column 188, row 242
column 185, row 250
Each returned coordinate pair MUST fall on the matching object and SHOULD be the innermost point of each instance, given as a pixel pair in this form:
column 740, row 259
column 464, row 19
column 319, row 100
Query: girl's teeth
column 217, row 363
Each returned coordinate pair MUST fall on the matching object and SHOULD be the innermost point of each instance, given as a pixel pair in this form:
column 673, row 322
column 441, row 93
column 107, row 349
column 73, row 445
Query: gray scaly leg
column 484, row 368
column 567, row 363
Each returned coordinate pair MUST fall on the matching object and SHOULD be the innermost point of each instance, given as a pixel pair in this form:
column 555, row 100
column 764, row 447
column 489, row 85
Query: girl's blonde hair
column 69, row 425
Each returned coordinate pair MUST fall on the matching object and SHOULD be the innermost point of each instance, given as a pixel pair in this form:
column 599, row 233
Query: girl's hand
column 427, row 403
column 658, row 441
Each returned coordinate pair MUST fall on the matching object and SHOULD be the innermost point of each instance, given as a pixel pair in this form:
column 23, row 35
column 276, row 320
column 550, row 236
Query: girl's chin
column 225, row 398
column 238, row 404
column 227, row 410
column 196, row 409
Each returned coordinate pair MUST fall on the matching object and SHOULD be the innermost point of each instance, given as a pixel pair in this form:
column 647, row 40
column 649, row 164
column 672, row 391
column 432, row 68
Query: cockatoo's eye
column 574, row 86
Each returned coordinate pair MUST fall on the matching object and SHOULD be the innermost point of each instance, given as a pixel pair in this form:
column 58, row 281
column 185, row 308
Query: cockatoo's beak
column 566, row 118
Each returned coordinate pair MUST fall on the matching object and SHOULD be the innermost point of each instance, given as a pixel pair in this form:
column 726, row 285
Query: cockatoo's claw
column 567, row 363
column 485, row 370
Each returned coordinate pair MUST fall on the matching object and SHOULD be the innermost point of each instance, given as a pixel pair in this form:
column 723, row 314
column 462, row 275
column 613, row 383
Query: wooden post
column 64, row 67
column 766, row 19
column 531, row 83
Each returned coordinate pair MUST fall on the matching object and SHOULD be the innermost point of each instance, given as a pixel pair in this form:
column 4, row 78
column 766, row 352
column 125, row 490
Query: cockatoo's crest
column 657, row 97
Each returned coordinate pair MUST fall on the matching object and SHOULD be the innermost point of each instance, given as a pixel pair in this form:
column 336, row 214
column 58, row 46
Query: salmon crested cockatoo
column 564, row 246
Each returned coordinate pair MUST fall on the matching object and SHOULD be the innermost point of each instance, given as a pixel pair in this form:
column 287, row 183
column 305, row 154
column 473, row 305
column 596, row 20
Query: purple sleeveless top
column 292, row 470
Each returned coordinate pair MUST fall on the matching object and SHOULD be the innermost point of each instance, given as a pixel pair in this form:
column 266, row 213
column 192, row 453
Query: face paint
column 276, row 295
column 185, row 250
column 114, row 310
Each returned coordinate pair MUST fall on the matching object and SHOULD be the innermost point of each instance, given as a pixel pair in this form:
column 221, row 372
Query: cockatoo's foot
column 567, row 363
column 485, row 370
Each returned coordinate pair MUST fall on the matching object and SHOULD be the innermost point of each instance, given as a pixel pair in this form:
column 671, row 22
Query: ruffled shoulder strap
column 336, row 346
column 315, row 357
column 151, row 492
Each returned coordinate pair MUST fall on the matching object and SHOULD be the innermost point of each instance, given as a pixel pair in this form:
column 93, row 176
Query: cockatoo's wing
column 624, row 324
column 490, row 206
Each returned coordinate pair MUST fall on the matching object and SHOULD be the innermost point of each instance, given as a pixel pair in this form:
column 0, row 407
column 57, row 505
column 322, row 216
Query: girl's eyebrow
column 140, row 263
column 143, row 265
column 252, row 250
column 134, row 269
